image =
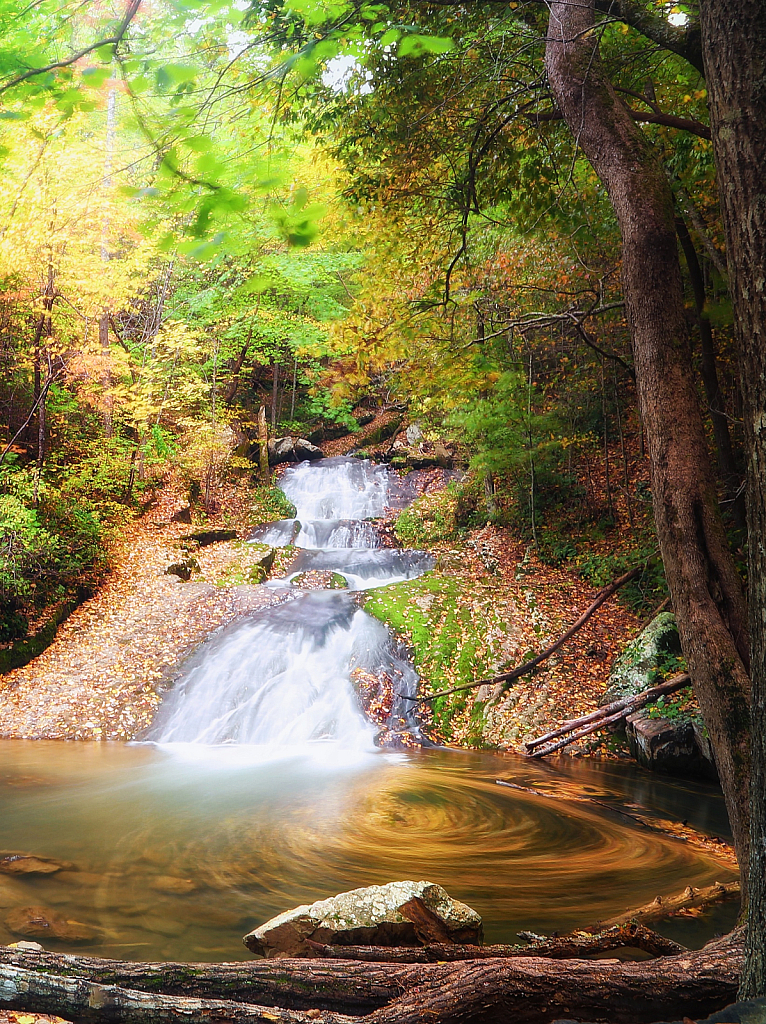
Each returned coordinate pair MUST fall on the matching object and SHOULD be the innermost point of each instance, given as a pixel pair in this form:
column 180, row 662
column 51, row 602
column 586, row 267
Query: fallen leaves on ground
column 104, row 675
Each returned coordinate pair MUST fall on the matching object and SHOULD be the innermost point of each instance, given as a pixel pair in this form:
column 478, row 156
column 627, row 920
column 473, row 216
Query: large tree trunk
column 528, row 990
column 734, row 40
column 706, row 590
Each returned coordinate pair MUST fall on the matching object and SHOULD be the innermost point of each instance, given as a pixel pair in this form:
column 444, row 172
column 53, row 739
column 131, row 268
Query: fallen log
column 566, row 947
column 86, row 1001
column 666, row 906
column 577, row 728
column 529, row 666
column 298, row 984
column 526, row 989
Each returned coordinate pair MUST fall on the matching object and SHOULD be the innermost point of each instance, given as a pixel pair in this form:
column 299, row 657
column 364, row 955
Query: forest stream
column 259, row 785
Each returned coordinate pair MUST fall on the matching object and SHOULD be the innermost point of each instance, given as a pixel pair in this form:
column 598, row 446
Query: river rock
column 42, row 922
column 673, row 746
column 30, row 864
column 292, row 449
column 371, row 916
column 640, row 665
column 183, row 570
column 320, row 579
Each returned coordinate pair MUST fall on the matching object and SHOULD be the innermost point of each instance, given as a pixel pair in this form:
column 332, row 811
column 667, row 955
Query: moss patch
column 456, row 634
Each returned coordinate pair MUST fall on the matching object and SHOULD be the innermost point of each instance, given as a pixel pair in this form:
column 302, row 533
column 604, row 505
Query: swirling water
column 264, row 790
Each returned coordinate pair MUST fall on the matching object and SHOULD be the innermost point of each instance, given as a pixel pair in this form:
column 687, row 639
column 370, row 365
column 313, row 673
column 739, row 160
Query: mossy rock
column 320, row 579
column 647, row 660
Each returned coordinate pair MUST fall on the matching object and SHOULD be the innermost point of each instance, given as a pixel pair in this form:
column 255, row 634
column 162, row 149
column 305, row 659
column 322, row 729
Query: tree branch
column 528, row 666
column 130, row 13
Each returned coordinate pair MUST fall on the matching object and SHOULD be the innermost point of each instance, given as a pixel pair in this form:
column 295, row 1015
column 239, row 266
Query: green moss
column 429, row 520
column 448, row 624
column 268, row 505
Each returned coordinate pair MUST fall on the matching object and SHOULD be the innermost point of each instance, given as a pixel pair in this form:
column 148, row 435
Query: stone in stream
column 320, row 579
column 677, row 745
column 30, row 864
column 371, row 916
column 43, row 922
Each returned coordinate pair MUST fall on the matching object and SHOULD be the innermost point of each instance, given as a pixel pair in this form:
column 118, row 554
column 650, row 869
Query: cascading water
column 282, row 678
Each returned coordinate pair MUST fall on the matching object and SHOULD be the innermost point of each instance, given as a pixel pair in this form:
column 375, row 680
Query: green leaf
column 95, row 77
column 413, row 45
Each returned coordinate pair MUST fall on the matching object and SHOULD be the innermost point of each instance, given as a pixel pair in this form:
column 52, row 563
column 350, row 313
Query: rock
column 320, row 579
column 172, row 884
column 183, row 515
column 29, row 947
column 368, row 916
column 670, row 746
column 30, row 864
column 293, row 449
column 183, row 570
column 203, row 538
column 413, row 433
column 306, row 450
column 749, row 1011
column 41, row 922
column 263, row 561
column 640, row 665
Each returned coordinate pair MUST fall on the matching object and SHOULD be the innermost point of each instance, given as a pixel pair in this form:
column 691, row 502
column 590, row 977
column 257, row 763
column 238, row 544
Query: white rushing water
column 281, row 678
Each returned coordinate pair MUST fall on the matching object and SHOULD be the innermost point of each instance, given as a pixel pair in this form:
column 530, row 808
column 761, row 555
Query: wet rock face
column 375, row 916
column 636, row 669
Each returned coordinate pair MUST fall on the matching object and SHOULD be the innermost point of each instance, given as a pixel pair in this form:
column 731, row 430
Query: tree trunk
column 734, row 40
column 527, row 990
column 727, row 464
column 706, row 590
column 263, row 447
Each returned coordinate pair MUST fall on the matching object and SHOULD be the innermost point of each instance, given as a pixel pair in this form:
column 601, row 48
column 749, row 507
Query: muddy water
column 179, row 850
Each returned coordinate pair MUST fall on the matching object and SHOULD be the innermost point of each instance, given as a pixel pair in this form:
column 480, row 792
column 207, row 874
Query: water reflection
column 178, row 853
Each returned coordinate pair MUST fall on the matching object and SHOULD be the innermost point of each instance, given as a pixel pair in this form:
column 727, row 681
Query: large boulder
column 292, row 449
column 306, row 450
column 656, row 650
column 675, row 746
column 378, row 915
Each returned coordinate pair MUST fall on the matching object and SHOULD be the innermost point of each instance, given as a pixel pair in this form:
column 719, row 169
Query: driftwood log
column 667, row 906
column 525, row 989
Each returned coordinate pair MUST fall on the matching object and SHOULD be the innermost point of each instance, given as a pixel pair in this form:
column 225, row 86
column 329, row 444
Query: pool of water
column 177, row 851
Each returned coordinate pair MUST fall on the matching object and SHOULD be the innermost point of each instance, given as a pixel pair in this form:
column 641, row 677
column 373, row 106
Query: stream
column 260, row 787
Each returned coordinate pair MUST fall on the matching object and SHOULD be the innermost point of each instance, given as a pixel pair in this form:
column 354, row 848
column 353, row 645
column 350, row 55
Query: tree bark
column 734, row 42
column 727, row 463
column 706, row 591
column 527, row 990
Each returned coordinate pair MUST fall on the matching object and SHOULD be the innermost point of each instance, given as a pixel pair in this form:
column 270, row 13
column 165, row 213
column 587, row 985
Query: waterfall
column 281, row 678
